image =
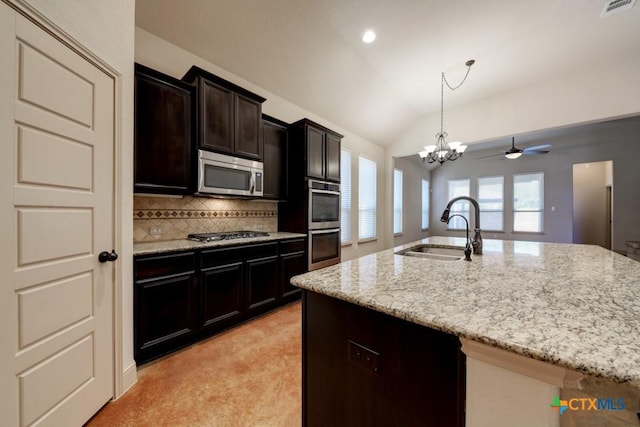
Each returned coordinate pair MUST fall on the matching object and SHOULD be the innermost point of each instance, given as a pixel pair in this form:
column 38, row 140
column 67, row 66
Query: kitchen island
column 564, row 315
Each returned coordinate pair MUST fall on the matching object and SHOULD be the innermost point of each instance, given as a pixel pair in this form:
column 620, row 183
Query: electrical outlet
column 154, row 231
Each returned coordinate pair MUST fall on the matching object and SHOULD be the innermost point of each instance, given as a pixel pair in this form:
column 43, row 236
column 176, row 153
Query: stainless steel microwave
column 226, row 175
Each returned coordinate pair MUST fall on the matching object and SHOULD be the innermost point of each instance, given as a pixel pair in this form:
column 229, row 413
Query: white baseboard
column 129, row 378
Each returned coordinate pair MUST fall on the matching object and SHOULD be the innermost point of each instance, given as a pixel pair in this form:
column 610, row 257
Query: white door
column 56, row 211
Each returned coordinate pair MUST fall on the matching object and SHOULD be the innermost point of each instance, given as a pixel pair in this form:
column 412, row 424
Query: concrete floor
column 247, row 376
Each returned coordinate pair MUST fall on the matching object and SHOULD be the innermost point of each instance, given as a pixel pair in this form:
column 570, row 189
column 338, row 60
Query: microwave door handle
column 253, row 182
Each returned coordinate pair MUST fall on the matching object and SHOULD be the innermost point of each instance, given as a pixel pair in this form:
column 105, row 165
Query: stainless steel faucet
column 476, row 243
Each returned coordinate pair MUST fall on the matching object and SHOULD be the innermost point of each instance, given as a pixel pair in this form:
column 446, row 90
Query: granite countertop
column 576, row 306
column 185, row 244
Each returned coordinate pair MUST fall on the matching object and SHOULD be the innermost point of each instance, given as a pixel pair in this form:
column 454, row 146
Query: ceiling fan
column 514, row 153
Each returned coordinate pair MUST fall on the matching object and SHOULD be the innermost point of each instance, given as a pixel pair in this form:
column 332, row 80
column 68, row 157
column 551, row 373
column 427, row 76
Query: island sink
column 434, row 252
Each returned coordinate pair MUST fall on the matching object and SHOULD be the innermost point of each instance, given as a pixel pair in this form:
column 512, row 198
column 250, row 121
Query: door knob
column 105, row 256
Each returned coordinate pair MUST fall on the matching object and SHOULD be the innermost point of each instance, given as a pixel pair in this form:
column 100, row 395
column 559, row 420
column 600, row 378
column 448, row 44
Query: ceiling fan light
column 461, row 149
column 512, row 155
column 423, row 154
column 455, row 144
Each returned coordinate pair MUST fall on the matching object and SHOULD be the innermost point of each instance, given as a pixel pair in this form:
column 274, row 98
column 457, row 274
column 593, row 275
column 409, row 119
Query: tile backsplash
column 175, row 218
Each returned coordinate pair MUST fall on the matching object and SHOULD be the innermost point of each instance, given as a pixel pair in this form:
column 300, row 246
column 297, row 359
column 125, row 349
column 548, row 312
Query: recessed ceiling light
column 369, row 36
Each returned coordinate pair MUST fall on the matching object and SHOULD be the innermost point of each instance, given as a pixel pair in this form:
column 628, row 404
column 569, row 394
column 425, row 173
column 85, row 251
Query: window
column 491, row 201
column 425, row 204
column 366, row 199
column 345, row 196
column 397, row 201
column 528, row 196
column 459, row 187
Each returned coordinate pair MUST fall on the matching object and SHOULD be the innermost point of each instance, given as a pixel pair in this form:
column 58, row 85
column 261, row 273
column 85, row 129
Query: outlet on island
column 156, row 231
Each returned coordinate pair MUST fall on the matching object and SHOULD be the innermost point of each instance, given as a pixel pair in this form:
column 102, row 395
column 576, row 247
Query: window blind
column 491, row 201
column 425, row 204
column 528, row 197
column 366, row 198
column 459, row 187
column 397, row 201
column 345, row 196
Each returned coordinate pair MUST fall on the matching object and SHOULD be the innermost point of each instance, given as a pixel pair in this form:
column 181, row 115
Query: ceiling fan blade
column 537, row 147
column 536, row 152
column 490, row 155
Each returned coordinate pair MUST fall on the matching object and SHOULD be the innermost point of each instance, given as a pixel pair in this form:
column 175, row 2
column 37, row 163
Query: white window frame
column 397, row 202
column 345, row 197
column 539, row 209
column 425, row 191
column 367, row 199
column 486, row 210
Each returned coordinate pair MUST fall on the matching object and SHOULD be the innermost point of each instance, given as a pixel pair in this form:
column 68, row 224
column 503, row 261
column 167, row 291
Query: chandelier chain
column 442, row 103
column 444, row 78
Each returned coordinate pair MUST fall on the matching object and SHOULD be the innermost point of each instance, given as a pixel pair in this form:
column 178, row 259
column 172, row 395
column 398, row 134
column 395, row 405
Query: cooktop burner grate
column 225, row 235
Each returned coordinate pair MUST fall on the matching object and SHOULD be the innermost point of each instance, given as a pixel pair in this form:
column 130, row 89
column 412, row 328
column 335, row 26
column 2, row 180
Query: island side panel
column 324, row 334
column 362, row 367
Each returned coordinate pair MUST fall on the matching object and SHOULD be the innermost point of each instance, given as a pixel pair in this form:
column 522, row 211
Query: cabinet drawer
column 261, row 250
column 227, row 255
column 157, row 266
column 290, row 246
column 221, row 256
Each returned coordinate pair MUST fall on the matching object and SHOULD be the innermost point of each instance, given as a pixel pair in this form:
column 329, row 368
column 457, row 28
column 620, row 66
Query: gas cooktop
column 225, row 235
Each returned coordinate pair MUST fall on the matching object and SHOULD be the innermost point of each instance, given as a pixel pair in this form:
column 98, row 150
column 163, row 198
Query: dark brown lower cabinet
column 164, row 304
column 293, row 261
column 181, row 297
column 365, row 368
column 221, row 296
column 262, row 284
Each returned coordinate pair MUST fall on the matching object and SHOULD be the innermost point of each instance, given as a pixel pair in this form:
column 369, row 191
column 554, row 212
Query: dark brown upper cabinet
column 164, row 162
column 275, row 137
column 319, row 146
column 229, row 117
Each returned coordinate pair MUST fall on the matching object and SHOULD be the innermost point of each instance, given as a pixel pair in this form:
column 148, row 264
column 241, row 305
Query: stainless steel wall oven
column 323, row 223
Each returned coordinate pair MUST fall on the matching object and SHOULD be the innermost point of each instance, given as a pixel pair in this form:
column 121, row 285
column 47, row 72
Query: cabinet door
column 275, row 163
column 291, row 265
column 164, row 315
column 216, row 117
column 262, row 284
column 248, row 134
column 221, row 296
column 315, row 153
column 163, row 134
column 332, row 165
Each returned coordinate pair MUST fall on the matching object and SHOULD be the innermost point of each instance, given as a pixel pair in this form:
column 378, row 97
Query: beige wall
column 412, row 175
column 106, row 29
column 168, row 58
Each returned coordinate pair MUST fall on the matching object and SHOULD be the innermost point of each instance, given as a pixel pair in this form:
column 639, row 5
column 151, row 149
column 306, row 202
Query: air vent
column 616, row 6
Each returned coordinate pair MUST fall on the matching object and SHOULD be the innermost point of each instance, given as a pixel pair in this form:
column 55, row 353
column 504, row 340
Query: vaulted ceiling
column 311, row 53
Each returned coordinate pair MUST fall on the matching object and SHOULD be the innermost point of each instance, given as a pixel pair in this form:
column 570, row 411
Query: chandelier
column 443, row 151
